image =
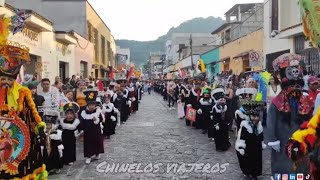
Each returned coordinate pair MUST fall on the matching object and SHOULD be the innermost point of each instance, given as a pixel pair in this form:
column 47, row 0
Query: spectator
column 51, row 94
column 73, row 81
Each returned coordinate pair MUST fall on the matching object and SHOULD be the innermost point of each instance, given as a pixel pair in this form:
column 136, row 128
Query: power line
column 232, row 29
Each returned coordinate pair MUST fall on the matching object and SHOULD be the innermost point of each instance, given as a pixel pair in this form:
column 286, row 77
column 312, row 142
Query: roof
column 98, row 16
column 223, row 26
column 243, row 7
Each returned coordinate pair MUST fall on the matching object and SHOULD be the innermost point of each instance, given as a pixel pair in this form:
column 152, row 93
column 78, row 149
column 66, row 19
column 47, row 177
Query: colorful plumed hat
column 217, row 94
column 290, row 67
column 199, row 78
column 91, row 95
column 252, row 106
column 72, row 106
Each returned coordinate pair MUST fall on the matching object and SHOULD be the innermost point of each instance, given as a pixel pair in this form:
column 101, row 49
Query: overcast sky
column 145, row 20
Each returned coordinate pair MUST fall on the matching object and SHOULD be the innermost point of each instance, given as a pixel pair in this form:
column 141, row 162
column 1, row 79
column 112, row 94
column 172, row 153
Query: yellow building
column 100, row 35
column 234, row 55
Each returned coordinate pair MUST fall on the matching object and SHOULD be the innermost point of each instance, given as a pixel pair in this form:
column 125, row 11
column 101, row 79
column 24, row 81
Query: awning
column 243, row 54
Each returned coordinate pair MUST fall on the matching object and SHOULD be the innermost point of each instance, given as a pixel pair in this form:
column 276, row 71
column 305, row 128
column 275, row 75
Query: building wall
column 252, row 41
column 289, row 13
column 84, row 52
column 72, row 18
column 98, row 24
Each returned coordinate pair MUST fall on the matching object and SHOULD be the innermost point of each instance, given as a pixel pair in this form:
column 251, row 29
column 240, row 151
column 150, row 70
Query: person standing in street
column 171, row 91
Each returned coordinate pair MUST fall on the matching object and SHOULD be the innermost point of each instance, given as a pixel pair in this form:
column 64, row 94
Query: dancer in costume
column 54, row 146
column 20, row 123
column 70, row 125
column 91, row 119
column 249, row 143
column 243, row 94
column 287, row 111
column 110, row 113
column 205, row 107
column 219, row 125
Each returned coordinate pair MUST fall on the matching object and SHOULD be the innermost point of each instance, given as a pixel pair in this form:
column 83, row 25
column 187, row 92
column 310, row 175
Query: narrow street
column 155, row 135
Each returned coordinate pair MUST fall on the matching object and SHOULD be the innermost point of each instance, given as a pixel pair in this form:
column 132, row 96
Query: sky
column 145, row 20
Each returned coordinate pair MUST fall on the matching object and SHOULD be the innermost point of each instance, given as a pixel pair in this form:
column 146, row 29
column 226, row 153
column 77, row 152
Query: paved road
column 158, row 141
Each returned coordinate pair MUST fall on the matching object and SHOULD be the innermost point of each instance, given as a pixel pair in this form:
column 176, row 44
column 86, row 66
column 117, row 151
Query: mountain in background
column 140, row 50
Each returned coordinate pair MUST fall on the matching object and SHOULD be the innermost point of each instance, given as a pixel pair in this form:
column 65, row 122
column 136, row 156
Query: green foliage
column 140, row 49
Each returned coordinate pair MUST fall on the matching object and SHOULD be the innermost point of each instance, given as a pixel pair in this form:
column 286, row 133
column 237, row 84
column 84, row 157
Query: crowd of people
column 277, row 117
column 80, row 108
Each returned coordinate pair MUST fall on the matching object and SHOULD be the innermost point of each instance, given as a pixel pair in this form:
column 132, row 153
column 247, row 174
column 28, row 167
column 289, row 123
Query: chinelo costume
column 249, row 143
column 287, row 112
column 20, row 124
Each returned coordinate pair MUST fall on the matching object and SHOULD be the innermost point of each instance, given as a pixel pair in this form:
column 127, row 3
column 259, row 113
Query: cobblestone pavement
column 155, row 135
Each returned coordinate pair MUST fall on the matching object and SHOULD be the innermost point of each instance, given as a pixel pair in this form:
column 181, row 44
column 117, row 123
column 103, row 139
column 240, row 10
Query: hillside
column 140, row 49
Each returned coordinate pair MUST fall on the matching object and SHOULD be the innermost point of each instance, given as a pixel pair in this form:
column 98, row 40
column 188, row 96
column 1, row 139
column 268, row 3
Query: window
column 227, row 35
column 109, row 52
column 274, row 15
column 84, row 69
column 103, row 50
column 226, row 64
column 96, row 44
column 222, row 38
column 298, row 43
column 89, row 31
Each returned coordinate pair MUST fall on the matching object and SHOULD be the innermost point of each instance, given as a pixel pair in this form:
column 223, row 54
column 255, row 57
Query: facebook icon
column 277, row 177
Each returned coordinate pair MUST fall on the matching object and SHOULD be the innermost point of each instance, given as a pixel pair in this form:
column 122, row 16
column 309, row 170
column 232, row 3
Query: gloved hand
column 199, row 111
column 129, row 103
column 60, row 148
column 113, row 118
column 217, row 126
column 293, row 150
column 240, row 146
column 211, row 117
column 263, row 145
column 275, row 145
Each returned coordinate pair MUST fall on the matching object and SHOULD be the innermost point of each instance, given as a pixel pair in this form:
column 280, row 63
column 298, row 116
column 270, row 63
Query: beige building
column 100, row 35
column 234, row 55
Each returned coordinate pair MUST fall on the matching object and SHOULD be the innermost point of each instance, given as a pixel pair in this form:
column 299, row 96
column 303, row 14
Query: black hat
column 252, row 107
column 217, row 94
column 91, row 95
column 51, row 116
column 72, row 106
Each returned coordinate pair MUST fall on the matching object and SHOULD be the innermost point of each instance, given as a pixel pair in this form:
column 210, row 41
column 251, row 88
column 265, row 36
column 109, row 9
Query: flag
column 201, row 67
column 130, row 73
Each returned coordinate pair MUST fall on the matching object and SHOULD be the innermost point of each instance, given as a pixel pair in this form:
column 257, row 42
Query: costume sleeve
column 272, row 124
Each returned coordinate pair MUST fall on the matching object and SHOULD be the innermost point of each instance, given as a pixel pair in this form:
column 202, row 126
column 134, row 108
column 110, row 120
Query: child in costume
column 249, row 143
column 110, row 113
column 69, row 126
column 205, row 107
column 54, row 144
column 91, row 119
column 219, row 125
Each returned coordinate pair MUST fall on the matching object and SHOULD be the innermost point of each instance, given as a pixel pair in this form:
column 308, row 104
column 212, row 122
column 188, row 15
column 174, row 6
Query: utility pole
column 162, row 61
column 191, row 55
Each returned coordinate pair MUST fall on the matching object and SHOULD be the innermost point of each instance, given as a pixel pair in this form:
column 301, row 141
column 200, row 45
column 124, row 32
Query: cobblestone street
column 155, row 135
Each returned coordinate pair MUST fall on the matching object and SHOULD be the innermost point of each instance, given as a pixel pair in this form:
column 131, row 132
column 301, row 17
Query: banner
column 121, row 61
column 191, row 114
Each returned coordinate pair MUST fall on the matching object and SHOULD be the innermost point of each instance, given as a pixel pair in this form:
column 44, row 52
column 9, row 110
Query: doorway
column 62, row 70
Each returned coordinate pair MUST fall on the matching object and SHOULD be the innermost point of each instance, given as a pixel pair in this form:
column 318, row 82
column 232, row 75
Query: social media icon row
column 298, row 176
